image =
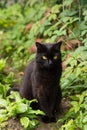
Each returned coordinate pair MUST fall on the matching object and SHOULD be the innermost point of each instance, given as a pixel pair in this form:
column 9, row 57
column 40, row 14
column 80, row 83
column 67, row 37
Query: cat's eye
column 44, row 57
column 55, row 57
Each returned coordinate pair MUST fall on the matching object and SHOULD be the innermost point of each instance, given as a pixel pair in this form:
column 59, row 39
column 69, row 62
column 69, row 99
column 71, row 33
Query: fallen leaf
column 32, row 49
column 28, row 26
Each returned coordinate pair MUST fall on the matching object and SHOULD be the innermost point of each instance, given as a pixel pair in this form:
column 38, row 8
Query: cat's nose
column 50, row 62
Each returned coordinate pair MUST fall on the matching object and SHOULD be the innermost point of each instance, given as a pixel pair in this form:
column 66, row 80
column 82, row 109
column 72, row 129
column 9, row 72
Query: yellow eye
column 44, row 57
column 55, row 57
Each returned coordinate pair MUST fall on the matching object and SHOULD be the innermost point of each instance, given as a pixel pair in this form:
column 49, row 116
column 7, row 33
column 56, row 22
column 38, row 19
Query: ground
column 13, row 124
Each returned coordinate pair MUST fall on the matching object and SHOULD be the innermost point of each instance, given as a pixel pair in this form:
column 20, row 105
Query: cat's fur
column 42, row 79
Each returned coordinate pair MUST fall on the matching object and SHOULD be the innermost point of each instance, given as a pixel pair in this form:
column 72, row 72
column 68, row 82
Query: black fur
column 42, row 79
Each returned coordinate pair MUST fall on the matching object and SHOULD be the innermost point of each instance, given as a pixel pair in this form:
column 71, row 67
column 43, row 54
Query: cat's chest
column 47, row 82
column 44, row 84
column 44, row 92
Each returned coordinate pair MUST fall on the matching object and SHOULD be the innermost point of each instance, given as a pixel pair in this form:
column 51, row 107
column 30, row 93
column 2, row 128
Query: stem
column 80, row 12
column 63, row 6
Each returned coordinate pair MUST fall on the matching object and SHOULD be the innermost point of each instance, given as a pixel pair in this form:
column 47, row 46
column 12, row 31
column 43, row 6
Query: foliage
column 14, row 105
column 76, row 117
column 74, row 84
column 75, row 75
column 21, row 107
column 2, row 64
column 21, row 25
column 6, row 80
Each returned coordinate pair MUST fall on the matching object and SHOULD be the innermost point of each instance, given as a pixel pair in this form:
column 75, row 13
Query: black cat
column 42, row 79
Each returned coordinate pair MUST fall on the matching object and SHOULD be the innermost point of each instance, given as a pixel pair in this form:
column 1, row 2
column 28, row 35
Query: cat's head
column 48, row 55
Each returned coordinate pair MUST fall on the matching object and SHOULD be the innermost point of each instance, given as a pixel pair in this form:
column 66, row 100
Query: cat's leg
column 57, row 101
column 26, row 92
column 47, row 108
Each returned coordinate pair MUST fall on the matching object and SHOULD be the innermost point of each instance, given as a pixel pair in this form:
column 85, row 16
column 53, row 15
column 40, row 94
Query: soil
column 14, row 124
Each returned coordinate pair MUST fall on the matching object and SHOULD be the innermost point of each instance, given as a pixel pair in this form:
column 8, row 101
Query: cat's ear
column 57, row 45
column 40, row 47
column 38, row 44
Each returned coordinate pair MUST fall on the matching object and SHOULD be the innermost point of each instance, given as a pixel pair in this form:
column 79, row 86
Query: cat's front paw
column 46, row 119
column 53, row 119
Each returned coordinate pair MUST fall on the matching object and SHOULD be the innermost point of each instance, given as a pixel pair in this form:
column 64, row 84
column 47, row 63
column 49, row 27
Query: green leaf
column 3, row 117
column 15, row 95
column 3, row 111
column 78, row 71
column 24, row 122
column 36, row 112
column 33, row 123
column 76, row 106
column 21, row 108
column 3, row 103
column 2, row 64
column 52, row 17
column 32, row 57
column 55, row 9
column 85, row 119
column 67, row 3
column 85, row 126
column 39, row 112
column 9, row 78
